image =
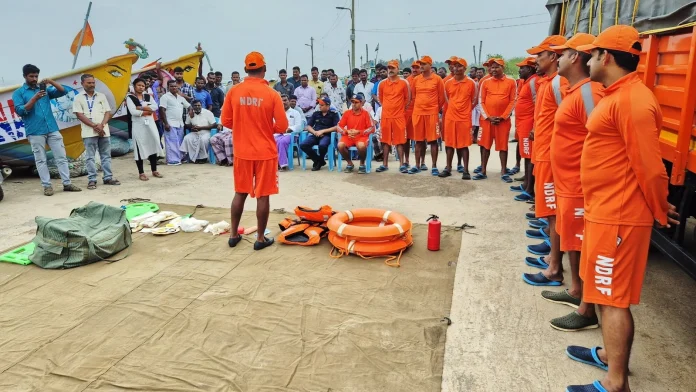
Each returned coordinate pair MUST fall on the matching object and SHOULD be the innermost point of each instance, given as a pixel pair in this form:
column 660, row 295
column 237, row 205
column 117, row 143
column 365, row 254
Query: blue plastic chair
column 368, row 156
column 294, row 144
column 331, row 152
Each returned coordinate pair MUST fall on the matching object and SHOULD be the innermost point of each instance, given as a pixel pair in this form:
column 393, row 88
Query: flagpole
column 82, row 35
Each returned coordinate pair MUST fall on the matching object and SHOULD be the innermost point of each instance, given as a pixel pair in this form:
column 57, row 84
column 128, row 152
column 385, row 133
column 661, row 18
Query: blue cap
column 325, row 100
column 360, row 97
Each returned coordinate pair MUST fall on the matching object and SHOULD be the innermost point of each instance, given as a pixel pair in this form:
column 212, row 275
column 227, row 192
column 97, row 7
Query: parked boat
column 112, row 79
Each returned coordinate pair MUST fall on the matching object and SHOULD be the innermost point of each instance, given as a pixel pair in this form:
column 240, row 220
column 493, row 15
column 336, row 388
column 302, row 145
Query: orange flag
column 87, row 40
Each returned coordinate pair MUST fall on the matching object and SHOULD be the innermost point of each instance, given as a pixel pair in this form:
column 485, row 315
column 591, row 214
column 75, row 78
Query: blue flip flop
column 460, row 168
column 506, row 178
column 381, row 168
column 516, row 188
column 530, row 216
column 524, row 196
column 535, row 234
column 596, row 386
column 478, row 170
column 539, row 279
column 536, row 262
column 536, row 224
column 586, row 355
column 515, row 170
column 544, row 221
column 479, row 176
column 542, row 249
column 403, row 169
column 435, row 172
column 414, row 170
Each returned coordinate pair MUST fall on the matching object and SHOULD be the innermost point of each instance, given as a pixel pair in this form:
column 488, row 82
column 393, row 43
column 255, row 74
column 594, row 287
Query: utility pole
column 481, row 48
column 352, row 29
column 312, row 48
column 82, row 35
column 367, row 57
column 401, row 61
column 349, row 62
column 286, row 59
column 416, row 48
column 475, row 62
column 361, row 62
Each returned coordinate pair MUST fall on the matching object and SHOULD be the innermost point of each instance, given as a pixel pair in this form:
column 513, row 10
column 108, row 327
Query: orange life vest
column 307, row 214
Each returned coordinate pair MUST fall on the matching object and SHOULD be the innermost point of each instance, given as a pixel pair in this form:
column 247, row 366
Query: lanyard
column 90, row 105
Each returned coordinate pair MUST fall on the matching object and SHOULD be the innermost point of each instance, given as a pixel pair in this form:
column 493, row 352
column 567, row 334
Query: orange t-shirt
column 358, row 122
column 569, row 136
column 621, row 170
column 393, row 95
column 524, row 107
column 544, row 114
column 254, row 112
column 409, row 109
column 460, row 96
column 428, row 94
column 497, row 97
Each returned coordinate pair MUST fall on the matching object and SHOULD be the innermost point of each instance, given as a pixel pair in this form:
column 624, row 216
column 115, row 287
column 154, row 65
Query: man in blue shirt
column 201, row 94
column 33, row 103
column 320, row 126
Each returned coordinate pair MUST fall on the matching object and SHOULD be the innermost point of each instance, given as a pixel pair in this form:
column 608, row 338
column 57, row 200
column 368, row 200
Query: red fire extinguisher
column 434, row 232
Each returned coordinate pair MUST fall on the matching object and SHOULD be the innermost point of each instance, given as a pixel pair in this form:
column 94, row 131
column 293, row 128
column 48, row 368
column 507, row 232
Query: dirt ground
column 499, row 338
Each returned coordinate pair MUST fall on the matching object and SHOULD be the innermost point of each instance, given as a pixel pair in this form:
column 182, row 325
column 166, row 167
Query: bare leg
column 530, row 179
column 527, row 173
column 407, row 150
column 503, row 162
column 386, row 152
column 555, row 257
column 617, row 332
column 400, row 153
column 449, row 152
column 485, row 154
column 236, row 210
column 518, row 156
column 420, row 147
column 464, row 152
column 263, row 208
column 345, row 153
column 585, row 309
column 362, row 153
column 433, row 152
column 422, row 153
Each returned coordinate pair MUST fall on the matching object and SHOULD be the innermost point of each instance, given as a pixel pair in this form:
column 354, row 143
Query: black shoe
column 316, row 167
column 266, row 243
column 445, row 173
column 233, row 241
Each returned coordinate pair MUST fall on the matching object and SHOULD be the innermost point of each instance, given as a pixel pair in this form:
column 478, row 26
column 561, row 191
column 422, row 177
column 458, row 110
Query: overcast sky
column 41, row 31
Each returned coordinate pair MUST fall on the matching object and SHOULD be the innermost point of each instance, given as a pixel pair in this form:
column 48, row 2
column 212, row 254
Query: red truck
column 668, row 67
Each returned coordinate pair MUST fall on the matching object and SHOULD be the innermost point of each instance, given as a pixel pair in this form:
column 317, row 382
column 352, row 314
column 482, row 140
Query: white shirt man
column 95, row 108
column 175, row 106
column 337, row 95
column 197, row 142
column 366, row 89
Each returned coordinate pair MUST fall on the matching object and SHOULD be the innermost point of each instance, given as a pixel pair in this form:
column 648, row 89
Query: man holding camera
column 33, row 103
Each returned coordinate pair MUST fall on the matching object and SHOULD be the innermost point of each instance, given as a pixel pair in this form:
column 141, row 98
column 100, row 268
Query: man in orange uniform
column 355, row 129
column 551, row 91
column 415, row 71
column 460, row 93
column 255, row 112
column 566, row 148
column 428, row 91
column 485, row 74
column 497, row 96
column 524, row 118
column 395, row 94
column 450, row 63
column 625, row 186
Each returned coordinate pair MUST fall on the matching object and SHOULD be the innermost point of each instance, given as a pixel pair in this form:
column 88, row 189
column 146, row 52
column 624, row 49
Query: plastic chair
column 368, row 156
column 330, row 153
column 291, row 150
column 211, row 153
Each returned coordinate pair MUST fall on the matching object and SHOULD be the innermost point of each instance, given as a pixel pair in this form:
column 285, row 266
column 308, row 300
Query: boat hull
column 112, row 79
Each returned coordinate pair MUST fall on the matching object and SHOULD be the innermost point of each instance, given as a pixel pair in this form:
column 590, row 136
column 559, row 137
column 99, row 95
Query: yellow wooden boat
column 113, row 77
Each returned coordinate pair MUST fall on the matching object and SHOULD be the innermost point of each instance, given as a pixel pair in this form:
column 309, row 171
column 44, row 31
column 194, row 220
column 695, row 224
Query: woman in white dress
column 146, row 139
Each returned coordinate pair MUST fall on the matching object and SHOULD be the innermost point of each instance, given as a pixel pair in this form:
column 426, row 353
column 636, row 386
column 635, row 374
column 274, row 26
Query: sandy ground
column 500, row 339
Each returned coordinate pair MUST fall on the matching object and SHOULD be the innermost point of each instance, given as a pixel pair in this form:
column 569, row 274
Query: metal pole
column 312, row 47
column 481, row 48
column 416, row 48
column 349, row 61
column 361, row 62
column 475, row 62
column 401, row 61
column 286, row 58
column 352, row 33
column 367, row 57
column 82, row 35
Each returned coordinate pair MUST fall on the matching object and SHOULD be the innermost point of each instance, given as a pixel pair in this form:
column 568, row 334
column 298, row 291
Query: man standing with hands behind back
column 255, row 112
column 93, row 110
column 33, row 103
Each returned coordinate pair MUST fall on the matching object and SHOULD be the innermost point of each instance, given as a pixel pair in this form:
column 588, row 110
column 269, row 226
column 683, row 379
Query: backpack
column 92, row 233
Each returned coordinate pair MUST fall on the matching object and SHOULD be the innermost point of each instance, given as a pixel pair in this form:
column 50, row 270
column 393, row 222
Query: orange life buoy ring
column 371, row 248
column 369, row 224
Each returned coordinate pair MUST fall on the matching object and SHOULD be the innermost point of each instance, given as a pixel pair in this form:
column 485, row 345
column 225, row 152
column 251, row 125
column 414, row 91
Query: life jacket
column 303, row 234
column 307, row 214
column 287, row 222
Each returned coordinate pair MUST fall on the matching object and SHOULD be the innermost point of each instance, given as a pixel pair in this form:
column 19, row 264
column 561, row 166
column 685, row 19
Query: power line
column 339, row 18
column 458, row 23
column 452, row 30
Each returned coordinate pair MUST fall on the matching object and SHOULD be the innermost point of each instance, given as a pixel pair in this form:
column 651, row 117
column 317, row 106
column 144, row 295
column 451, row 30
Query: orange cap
column 488, row 62
column 426, row 60
column 415, row 64
column 574, row 42
column 254, row 60
column 393, row 64
column 545, row 45
column 498, row 61
column 529, row 62
column 462, row 62
column 452, row 59
column 619, row 37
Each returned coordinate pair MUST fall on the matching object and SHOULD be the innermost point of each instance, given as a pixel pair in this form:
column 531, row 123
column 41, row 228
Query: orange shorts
column 393, row 131
column 257, row 178
column 544, row 190
column 409, row 126
column 353, row 141
column 425, row 127
column 500, row 133
column 523, row 129
column 570, row 222
column 457, row 134
column 613, row 261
